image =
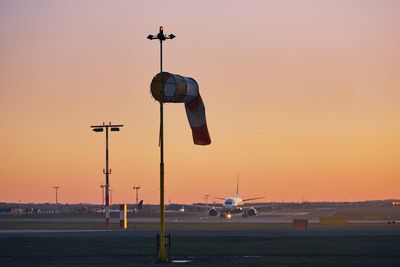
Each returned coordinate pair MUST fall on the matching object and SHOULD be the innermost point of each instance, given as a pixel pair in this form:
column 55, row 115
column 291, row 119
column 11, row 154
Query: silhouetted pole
column 56, row 188
column 162, row 255
column 107, row 170
column 137, row 194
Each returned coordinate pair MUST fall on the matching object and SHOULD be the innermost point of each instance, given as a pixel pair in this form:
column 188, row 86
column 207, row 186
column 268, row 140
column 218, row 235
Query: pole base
column 163, row 255
column 162, row 259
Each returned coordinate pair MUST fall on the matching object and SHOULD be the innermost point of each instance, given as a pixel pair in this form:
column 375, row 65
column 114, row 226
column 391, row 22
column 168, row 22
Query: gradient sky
column 302, row 99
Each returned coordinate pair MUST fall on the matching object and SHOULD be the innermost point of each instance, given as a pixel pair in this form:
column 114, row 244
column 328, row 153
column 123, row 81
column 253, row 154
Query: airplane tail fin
column 140, row 205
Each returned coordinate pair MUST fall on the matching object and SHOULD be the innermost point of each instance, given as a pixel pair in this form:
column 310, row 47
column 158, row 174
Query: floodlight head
column 150, row 37
column 114, row 129
column 161, row 36
column 171, row 36
column 161, row 29
column 98, row 129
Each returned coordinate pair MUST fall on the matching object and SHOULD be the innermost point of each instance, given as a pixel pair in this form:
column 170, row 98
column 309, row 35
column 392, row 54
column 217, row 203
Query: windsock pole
column 162, row 254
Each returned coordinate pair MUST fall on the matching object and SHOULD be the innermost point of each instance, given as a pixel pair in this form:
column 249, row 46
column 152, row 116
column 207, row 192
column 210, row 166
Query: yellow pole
column 162, row 254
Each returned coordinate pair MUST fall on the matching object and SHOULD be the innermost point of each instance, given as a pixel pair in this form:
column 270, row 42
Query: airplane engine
column 252, row 211
column 213, row 212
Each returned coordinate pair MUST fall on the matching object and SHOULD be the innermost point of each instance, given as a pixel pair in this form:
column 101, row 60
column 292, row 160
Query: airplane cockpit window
column 228, row 202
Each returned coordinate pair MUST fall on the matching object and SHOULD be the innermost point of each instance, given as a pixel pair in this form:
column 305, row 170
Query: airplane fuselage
column 232, row 205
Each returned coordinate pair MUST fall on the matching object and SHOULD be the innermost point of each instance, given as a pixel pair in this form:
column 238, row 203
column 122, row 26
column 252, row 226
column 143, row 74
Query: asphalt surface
column 280, row 217
column 195, row 233
column 271, row 217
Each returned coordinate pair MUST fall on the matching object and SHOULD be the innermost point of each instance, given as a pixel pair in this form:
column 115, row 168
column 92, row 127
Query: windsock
column 174, row 88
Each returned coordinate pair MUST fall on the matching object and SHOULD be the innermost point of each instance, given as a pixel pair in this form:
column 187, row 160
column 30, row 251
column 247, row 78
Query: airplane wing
column 268, row 206
column 217, row 207
column 248, row 199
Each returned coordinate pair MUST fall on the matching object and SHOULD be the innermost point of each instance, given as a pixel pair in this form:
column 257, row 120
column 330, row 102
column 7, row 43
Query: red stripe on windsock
column 201, row 135
column 194, row 105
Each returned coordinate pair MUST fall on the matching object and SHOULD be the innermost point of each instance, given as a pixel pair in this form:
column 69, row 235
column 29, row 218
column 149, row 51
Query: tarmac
column 270, row 217
column 207, row 226
column 203, row 233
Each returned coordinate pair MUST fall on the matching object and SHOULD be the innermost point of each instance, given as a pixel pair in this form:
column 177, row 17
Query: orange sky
column 302, row 98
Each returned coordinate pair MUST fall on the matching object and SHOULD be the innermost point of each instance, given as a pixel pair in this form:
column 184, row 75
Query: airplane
column 181, row 210
column 234, row 205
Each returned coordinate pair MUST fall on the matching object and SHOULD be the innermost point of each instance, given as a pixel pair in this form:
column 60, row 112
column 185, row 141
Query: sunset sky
column 302, row 99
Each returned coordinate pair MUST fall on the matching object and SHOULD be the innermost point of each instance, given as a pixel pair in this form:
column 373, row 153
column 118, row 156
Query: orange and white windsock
column 175, row 88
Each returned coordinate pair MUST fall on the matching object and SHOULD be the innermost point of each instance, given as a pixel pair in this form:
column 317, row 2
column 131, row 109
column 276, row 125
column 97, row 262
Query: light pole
column 162, row 255
column 56, row 188
column 137, row 194
column 107, row 170
column 102, row 195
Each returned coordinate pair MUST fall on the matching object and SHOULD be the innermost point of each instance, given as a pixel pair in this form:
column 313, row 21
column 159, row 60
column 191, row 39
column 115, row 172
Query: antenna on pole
column 137, row 195
column 237, row 185
column 56, row 188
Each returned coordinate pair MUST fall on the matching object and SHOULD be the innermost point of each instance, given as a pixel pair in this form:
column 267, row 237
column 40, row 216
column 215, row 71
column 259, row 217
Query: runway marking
column 181, row 261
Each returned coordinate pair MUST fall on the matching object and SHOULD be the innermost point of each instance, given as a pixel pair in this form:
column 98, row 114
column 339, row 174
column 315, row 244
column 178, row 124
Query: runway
column 270, row 217
column 267, row 217
column 202, row 233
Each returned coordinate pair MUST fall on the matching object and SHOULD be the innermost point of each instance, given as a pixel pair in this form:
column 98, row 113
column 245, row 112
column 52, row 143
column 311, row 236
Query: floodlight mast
column 56, row 188
column 137, row 195
column 162, row 255
column 107, row 170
